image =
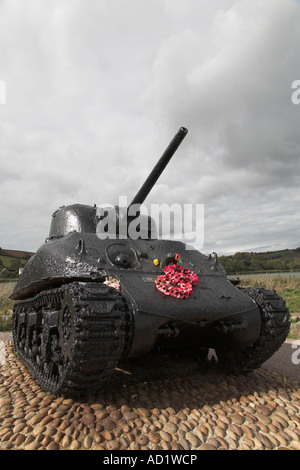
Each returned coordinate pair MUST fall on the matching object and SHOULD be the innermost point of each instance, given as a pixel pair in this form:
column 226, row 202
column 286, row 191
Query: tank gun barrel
column 159, row 167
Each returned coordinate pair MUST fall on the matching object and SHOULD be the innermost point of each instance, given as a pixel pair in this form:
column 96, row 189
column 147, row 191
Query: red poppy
column 177, row 281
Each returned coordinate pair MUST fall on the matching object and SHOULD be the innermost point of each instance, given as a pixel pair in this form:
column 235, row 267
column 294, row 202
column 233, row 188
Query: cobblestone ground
column 158, row 403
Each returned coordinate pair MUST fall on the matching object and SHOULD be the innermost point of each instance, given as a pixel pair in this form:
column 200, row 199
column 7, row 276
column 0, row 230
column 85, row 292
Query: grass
column 6, row 305
column 279, row 283
column 292, row 299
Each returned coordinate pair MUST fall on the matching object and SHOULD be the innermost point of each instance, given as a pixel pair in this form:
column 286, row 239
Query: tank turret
column 84, row 302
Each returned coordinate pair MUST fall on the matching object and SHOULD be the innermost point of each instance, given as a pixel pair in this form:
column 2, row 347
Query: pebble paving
column 163, row 403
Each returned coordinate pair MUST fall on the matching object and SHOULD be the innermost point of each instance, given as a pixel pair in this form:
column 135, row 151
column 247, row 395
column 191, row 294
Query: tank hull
column 216, row 313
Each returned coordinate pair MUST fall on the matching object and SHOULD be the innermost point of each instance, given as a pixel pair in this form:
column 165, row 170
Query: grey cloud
column 96, row 90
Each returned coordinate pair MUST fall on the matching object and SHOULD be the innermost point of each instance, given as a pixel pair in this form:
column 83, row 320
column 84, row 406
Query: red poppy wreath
column 177, row 281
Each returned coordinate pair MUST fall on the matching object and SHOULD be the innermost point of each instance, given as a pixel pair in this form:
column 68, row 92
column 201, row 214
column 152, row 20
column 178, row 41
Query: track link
column 71, row 338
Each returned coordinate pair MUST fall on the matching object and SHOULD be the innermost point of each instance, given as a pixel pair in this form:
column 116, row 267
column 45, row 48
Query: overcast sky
column 95, row 90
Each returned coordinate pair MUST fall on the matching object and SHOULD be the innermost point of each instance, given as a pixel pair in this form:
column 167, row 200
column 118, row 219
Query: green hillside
column 239, row 263
column 10, row 263
column 269, row 261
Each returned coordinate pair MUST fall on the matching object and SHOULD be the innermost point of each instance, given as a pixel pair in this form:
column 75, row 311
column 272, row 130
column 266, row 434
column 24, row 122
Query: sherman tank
column 85, row 302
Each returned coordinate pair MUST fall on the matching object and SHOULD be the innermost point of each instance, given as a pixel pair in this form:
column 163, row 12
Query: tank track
column 275, row 326
column 72, row 337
